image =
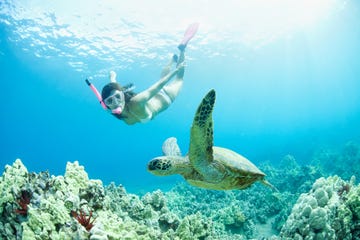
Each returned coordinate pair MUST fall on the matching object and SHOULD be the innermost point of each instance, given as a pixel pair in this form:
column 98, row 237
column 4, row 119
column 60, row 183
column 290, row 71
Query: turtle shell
column 235, row 162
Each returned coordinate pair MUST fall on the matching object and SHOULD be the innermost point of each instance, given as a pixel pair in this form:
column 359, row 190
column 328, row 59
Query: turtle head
column 167, row 165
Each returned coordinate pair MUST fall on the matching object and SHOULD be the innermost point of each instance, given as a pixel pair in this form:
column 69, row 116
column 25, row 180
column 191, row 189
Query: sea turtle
column 206, row 166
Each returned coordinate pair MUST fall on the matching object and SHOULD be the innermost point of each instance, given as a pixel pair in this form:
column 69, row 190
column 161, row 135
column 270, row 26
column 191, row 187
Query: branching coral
column 23, row 202
column 85, row 221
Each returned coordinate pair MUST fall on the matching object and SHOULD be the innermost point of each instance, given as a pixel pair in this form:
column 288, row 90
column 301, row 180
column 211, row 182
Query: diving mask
column 116, row 102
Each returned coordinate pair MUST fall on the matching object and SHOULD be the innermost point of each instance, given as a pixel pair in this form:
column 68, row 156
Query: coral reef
column 72, row 206
column 184, row 212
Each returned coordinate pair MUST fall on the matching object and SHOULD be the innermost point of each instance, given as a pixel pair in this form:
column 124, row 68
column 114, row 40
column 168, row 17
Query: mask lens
column 117, row 96
column 109, row 101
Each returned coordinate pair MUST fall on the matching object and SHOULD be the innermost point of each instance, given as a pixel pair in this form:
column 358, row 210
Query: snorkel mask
column 120, row 99
column 116, row 102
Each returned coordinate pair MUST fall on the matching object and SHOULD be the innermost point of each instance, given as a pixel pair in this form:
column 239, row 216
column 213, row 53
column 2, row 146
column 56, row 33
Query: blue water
column 281, row 90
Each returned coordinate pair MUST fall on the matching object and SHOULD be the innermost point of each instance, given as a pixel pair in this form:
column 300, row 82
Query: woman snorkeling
column 133, row 107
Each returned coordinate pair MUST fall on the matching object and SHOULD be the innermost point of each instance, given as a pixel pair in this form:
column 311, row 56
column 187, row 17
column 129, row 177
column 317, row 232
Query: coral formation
column 235, row 213
column 325, row 212
column 52, row 209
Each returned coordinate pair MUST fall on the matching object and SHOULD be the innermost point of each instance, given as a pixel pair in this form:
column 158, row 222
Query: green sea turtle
column 206, row 166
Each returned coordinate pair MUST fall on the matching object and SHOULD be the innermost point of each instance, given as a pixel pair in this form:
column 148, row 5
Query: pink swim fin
column 189, row 34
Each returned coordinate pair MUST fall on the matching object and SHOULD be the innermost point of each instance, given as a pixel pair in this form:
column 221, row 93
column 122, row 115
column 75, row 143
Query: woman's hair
column 108, row 88
column 127, row 89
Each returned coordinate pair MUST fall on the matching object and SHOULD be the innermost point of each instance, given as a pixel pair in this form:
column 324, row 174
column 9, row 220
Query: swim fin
column 189, row 34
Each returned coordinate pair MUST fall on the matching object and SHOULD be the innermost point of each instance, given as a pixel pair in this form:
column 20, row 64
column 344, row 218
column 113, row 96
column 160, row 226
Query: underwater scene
column 180, row 119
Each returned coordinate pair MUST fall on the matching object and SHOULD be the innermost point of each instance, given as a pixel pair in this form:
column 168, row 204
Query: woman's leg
column 166, row 70
column 173, row 88
column 181, row 59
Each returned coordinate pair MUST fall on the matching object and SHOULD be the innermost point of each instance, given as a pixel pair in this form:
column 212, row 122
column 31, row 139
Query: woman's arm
column 145, row 95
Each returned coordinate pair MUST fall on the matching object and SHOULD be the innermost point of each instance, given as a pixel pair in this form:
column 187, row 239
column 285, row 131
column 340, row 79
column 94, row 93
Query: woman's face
column 116, row 101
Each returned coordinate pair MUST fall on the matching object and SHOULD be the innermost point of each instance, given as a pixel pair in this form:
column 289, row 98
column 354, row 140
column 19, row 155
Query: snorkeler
column 131, row 107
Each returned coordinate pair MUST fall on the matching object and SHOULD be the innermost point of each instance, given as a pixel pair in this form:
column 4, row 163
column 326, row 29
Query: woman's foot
column 182, row 47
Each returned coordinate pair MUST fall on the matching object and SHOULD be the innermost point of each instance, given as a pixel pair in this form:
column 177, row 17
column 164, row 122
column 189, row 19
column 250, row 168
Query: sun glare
column 267, row 14
column 132, row 25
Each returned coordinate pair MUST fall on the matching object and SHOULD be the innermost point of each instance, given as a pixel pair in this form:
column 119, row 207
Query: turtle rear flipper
column 170, row 147
column 266, row 183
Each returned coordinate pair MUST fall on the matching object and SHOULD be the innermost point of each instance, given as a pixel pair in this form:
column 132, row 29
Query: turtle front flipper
column 201, row 136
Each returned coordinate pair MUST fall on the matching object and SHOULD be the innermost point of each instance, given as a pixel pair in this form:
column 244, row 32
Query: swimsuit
column 166, row 98
column 142, row 120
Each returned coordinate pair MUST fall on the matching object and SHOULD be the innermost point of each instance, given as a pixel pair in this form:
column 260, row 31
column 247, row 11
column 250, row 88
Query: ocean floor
column 317, row 201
